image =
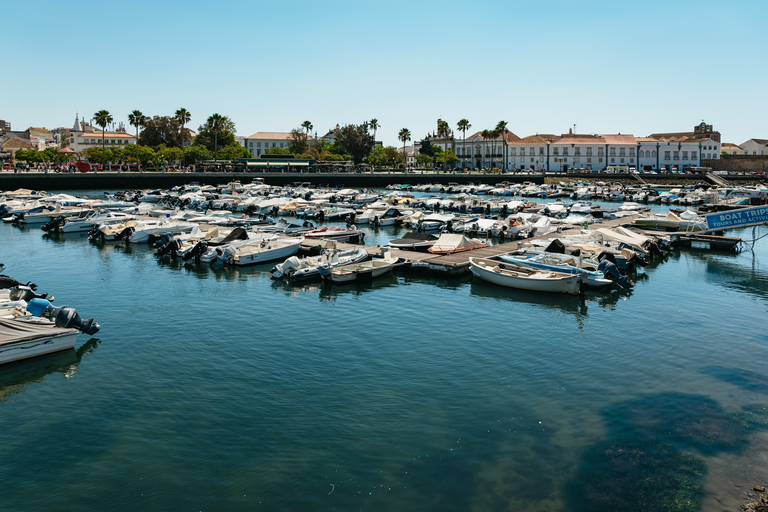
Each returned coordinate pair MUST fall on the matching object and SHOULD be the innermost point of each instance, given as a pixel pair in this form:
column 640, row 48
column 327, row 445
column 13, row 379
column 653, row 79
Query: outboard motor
column 126, row 233
column 611, row 271
column 196, row 251
column 9, row 282
column 555, row 246
column 26, row 293
column 68, row 317
column 53, row 224
column 171, row 245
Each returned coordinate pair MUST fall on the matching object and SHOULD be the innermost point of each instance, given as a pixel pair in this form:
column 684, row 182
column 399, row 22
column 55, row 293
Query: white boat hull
column 37, row 347
column 550, row 282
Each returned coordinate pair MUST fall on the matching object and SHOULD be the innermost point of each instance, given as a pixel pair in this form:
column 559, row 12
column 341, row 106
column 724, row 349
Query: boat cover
column 450, row 243
column 14, row 331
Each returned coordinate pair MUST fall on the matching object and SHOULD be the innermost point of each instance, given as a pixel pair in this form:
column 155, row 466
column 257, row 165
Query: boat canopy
column 15, row 331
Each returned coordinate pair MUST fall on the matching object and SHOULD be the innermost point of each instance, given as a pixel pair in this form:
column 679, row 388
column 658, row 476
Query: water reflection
column 572, row 304
column 731, row 272
column 16, row 376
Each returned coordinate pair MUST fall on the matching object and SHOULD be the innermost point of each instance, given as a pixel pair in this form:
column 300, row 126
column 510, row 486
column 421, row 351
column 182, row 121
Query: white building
column 260, row 142
column 84, row 136
column 754, row 147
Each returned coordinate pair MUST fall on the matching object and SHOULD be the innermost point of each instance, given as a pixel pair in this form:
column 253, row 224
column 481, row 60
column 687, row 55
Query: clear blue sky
column 606, row 66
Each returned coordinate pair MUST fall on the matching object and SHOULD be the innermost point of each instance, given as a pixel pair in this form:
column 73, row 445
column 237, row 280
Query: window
column 589, row 151
column 613, row 160
column 622, row 151
column 599, row 160
column 577, row 151
column 589, row 159
column 541, row 151
column 577, row 159
column 653, row 154
column 622, row 161
column 685, row 155
column 631, row 151
column 258, row 144
column 565, row 151
column 600, row 152
column 531, row 151
column 555, row 152
column 613, row 151
column 693, row 155
column 250, row 144
column 666, row 155
column 513, row 152
column 676, row 155
column 274, row 144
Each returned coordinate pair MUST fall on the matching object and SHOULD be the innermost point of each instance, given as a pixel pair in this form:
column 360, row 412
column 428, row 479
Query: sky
column 543, row 67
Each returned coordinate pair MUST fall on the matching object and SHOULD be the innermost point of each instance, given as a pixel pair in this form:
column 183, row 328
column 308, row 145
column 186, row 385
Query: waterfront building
column 731, row 148
column 260, row 142
column 84, row 136
column 753, row 147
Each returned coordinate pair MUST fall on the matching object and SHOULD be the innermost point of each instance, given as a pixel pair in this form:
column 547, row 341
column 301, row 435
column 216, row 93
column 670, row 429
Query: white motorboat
column 525, row 278
column 23, row 339
column 267, row 250
column 413, row 241
column 297, row 269
column 151, row 231
column 335, row 233
column 90, row 220
column 565, row 263
column 364, row 271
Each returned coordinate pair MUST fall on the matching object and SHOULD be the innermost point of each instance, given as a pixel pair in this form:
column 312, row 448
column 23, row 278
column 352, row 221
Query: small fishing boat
column 24, row 339
column 335, row 233
column 450, row 243
column 266, row 250
column 525, row 278
column 364, row 271
column 413, row 241
column 297, row 269
column 565, row 263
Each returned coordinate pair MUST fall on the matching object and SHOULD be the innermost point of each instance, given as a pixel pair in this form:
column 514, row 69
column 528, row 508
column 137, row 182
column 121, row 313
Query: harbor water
column 221, row 389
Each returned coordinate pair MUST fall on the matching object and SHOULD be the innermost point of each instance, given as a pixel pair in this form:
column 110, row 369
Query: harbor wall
column 132, row 180
column 748, row 164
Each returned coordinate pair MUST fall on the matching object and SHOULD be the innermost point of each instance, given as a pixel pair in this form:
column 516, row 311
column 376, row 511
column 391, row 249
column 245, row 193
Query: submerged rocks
column 761, row 503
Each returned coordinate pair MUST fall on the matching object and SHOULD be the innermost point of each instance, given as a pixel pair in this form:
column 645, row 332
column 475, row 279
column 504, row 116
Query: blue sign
column 737, row 218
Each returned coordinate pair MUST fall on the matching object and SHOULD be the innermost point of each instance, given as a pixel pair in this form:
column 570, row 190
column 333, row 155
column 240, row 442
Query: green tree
column 183, row 117
column 103, row 118
column 404, row 135
column 355, row 140
column 171, row 155
column 384, row 156
column 233, row 152
column 463, row 125
column 136, row 118
column 426, row 147
column 299, row 142
column 448, row 159
column 374, row 124
column 501, row 128
column 197, row 153
column 424, row 159
column 161, row 131
column 307, row 127
column 218, row 131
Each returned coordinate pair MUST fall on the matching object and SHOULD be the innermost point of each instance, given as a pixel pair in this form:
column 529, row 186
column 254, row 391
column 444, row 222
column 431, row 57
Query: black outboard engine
column 68, row 317
column 53, row 224
column 196, row 251
column 126, row 233
column 611, row 271
column 26, row 293
column 168, row 244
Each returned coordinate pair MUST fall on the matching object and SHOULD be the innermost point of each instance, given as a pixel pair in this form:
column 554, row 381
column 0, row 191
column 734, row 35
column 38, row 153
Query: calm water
column 212, row 389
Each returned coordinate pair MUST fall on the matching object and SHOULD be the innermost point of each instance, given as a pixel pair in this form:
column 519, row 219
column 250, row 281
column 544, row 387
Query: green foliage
column 217, row 129
column 355, row 141
column 299, row 142
column 384, row 156
column 447, row 158
column 233, row 152
column 171, row 155
column 161, row 131
column 333, row 157
column 424, row 159
column 426, row 147
column 146, row 154
column 195, row 153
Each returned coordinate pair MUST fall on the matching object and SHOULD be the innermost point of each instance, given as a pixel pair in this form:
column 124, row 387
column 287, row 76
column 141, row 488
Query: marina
column 421, row 388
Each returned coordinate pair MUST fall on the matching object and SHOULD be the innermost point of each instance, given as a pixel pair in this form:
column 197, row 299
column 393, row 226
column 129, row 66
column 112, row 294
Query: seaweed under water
column 650, row 459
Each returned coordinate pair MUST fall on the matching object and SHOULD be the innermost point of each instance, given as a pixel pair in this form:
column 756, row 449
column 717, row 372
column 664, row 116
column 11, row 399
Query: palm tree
column 463, row 125
column 136, row 118
column 502, row 128
column 215, row 123
column 405, row 136
column 307, row 126
column 183, row 117
column 494, row 135
column 374, row 124
column 103, row 118
column 486, row 135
